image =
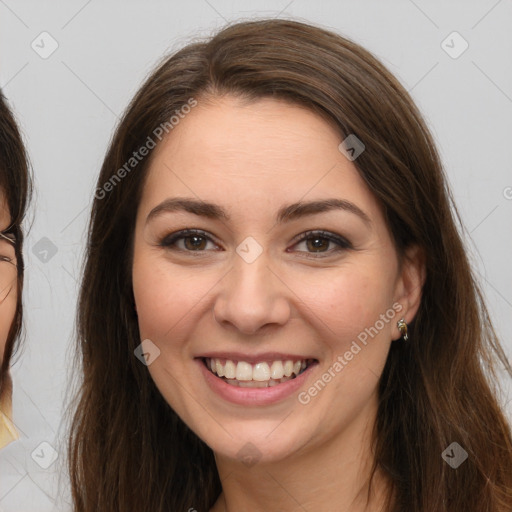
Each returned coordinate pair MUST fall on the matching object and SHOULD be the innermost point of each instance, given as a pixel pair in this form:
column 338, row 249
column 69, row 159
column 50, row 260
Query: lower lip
column 254, row 396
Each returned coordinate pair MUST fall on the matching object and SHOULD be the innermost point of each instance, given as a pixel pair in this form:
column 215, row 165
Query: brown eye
column 317, row 242
column 194, row 241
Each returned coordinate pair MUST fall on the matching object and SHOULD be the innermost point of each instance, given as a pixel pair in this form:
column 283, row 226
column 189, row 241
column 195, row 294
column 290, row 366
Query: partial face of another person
column 8, row 276
column 252, row 290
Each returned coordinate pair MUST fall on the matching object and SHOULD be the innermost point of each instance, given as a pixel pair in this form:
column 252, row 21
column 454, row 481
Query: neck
column 322, row 476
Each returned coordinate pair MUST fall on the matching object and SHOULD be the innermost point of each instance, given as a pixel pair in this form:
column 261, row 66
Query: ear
column 409, row 285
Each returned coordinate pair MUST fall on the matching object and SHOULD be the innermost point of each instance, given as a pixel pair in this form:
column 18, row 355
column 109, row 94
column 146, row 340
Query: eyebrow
column 286, row 213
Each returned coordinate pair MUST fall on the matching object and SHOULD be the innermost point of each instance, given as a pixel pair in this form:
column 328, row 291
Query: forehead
column 253, row 154
column 228, row 129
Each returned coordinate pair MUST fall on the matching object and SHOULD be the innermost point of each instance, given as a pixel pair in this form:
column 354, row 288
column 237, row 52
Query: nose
column 252, row 296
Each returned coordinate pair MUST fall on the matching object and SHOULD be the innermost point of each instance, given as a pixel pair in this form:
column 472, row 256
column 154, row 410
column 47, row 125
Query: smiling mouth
column 260, row 375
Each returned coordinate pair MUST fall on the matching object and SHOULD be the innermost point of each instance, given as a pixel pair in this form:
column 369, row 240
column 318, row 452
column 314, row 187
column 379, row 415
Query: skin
column 8, row 297
column 252, row 159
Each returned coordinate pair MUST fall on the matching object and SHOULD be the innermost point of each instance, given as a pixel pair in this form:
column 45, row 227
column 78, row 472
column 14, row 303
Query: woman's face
column 8, row 278
column 248, row 292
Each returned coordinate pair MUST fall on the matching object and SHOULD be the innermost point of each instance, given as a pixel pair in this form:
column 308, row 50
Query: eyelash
column 169, row 240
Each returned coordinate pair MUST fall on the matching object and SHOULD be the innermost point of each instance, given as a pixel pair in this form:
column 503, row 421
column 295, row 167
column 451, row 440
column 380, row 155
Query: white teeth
column 243, row 371
column 261, row 372
column 229, row 370
column 219, row 368
column 269, row 374
column 288, row 368
column 255, row 383
column 252, row 384
column 277, row 370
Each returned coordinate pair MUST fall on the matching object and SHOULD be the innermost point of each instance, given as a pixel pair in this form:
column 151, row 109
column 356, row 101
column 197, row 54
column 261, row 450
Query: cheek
column 165, row 298
column 153, row 293
column 347, row 313
column 348, row 301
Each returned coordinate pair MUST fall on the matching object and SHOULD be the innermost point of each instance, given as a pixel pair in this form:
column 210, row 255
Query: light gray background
column 68, row 104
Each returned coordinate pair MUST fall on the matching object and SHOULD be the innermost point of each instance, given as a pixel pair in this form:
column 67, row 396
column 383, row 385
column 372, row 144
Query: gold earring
column 402, row 325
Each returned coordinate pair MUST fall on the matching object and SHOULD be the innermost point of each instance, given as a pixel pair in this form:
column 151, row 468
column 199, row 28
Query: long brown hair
column 130, row 451
column 16, row 184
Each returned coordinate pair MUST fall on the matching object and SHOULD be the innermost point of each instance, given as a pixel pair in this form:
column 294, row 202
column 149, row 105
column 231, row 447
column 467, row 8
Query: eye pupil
column 195, row 241
column 318, row 242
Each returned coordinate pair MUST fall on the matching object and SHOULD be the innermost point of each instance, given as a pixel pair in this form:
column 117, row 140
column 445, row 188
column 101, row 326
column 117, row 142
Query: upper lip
column 255, row 358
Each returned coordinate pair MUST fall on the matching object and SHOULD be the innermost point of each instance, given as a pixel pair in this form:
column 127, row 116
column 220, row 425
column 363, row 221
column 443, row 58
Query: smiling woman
column 292, row 237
